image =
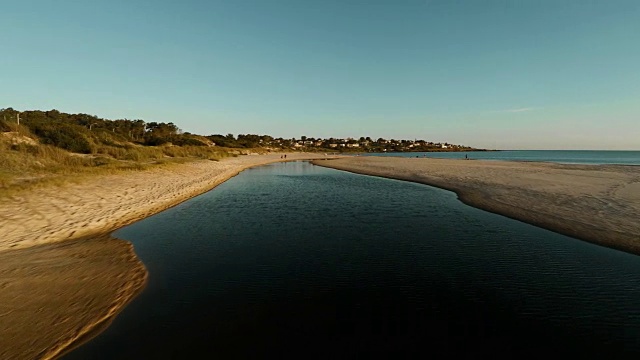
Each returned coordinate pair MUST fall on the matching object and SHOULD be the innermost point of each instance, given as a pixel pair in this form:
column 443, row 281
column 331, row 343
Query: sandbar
column 51, row 296
column 596, row 203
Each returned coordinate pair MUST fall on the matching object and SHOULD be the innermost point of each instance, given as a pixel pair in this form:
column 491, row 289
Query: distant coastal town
column 362, row 144
column 89, row 134
column 366, row 144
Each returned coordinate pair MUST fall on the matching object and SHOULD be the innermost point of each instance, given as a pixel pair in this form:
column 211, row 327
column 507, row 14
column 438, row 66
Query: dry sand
column 99, row 206
column 61, row 278
column 596, row 203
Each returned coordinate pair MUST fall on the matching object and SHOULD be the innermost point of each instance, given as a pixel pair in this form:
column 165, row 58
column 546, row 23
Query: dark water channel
column 297, row 260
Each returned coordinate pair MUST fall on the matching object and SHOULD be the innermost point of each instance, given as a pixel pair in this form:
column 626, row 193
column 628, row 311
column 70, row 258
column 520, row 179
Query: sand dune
column 61, row 278
column 596, row 203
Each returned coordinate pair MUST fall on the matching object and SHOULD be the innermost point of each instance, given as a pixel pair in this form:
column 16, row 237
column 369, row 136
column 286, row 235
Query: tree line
column 77, row 132
column 82, row 133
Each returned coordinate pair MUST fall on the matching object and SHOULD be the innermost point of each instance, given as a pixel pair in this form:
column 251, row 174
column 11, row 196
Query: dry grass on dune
column 25, row 162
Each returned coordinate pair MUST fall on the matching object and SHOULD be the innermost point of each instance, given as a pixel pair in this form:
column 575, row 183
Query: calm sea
column 558, row 156
column 295, row 260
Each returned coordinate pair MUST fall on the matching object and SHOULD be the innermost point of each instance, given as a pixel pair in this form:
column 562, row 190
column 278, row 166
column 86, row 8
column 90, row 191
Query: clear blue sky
column 550, row 74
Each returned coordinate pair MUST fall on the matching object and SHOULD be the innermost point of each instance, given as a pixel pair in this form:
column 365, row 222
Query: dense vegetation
column 82, row 133
column 89, row 134
column 44, row 146
column 37, row 146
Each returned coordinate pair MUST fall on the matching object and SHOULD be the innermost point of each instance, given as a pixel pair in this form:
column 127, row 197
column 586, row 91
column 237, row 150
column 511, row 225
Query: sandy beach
column 99, row 206
column 53, row 296
column 62, row 278
column 596, row 203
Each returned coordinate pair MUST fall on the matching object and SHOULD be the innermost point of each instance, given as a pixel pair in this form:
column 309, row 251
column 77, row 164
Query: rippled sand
column 52, row 296
column 596, row 203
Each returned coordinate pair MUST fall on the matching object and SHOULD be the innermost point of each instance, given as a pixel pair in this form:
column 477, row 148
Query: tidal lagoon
column 292, row 259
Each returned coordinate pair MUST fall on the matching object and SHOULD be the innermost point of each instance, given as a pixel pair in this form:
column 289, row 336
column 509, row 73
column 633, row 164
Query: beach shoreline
column 57, row 236
column 100, row 205
column 599, row 204
column 56, row 251
column 54, row 295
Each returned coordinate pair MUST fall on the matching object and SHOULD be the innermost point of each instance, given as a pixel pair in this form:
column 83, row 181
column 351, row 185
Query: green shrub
column 64, row 136
column 157, row 141
column 185, row 140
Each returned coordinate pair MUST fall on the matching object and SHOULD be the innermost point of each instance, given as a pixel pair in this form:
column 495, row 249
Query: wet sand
column 595, row 203
column 62, row 278
column 51, row 296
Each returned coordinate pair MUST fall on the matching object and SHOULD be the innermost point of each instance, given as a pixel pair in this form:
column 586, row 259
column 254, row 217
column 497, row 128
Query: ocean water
column 594, row 157
column 295, row 260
